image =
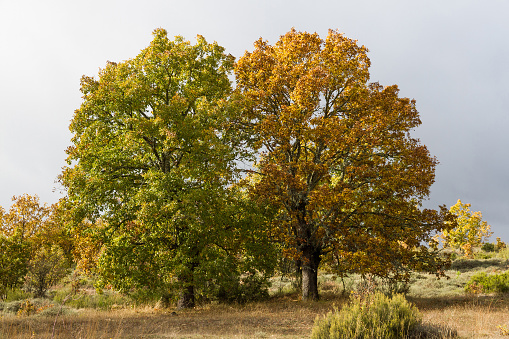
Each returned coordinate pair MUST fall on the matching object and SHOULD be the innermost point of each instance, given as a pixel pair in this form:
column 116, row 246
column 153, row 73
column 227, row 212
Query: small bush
column 488, row 247
column 55, row 310
column 376, row 316
column 503, row 253
column 13, row 294
column 12, row 307
column 483, row 283
column 484, row 255
column 251, row 287
column 27, row 308
column 104, row 301
column 470, row 264
column 500, row 245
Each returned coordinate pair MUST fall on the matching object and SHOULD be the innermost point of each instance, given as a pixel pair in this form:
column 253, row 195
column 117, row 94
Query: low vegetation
column 373, row 316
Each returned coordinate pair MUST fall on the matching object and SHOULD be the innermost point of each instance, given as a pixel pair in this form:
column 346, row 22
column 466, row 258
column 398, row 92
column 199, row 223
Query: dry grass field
column 281, row 317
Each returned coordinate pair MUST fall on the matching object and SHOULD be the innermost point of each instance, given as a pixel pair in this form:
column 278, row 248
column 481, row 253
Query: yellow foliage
column 470, row 232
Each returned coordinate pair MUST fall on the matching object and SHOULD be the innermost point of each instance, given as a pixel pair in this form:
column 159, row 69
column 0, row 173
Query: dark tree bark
column 310, row 263
column 186, row 299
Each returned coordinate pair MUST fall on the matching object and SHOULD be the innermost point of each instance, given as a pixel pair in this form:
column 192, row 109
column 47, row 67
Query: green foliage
column 488, row 247
column 492, row 283
column 13, row 294
column 13, row 306
column 14, row 256
column 250, row 287
column 376, row 316
column 151, row 169
column 32, row 240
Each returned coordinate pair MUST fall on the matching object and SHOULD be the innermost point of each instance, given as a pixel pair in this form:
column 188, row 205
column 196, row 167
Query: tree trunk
column 186, row 298
column 310, row 262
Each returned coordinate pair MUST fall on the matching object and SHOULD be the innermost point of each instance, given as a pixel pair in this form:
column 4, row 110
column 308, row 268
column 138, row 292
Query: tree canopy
column 336, row 157
column 471, row 231
column 152, row 162
column 153, row 176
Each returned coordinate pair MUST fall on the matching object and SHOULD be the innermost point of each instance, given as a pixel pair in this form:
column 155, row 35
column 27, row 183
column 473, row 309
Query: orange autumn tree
column 335, row 156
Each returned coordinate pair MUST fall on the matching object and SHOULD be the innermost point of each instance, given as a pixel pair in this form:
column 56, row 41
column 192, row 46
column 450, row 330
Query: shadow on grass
column 495, row 302
column 463, row 265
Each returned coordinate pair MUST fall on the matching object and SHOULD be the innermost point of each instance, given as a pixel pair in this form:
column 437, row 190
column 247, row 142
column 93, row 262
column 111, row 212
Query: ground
column 441, row 302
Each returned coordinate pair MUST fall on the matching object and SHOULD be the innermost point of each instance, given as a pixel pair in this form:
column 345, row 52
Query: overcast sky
column 451, row 56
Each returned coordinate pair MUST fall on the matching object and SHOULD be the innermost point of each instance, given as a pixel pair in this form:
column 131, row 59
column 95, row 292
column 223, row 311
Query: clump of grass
column 375, row 316
column 12, row 306
column 91, row 299
column 26, row 307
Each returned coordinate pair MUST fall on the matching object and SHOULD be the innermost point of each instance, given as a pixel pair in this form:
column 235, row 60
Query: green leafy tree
column 31, row 236
column 14, row 257
column 19, row 227
column 336, row 158
column 151, row 159
column 471, row 231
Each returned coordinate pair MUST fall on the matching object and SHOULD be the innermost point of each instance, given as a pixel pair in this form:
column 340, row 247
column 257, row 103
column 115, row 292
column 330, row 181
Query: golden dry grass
column 282, row 317
column 279, row 318
column 471, row 316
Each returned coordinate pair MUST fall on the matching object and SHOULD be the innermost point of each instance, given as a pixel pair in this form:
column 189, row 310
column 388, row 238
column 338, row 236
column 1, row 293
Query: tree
column 152, row 161
column 471, row 231
column 336, row 158
column 18, row 227
column 47, row 266
column 26, row 217
column 27, row 229
column 14, row 256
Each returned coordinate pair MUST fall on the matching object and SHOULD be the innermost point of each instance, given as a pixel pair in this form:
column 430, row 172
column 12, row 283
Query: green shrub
column 484, row 255
column 104, row 301
column 488, row 247
column 251, row 287
column 14, row 255
column 472, row 264
column 503, row 253
column 13, row 294
column 483, row 283
column 12, row 307
column 376, row 316
column 55, row 310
